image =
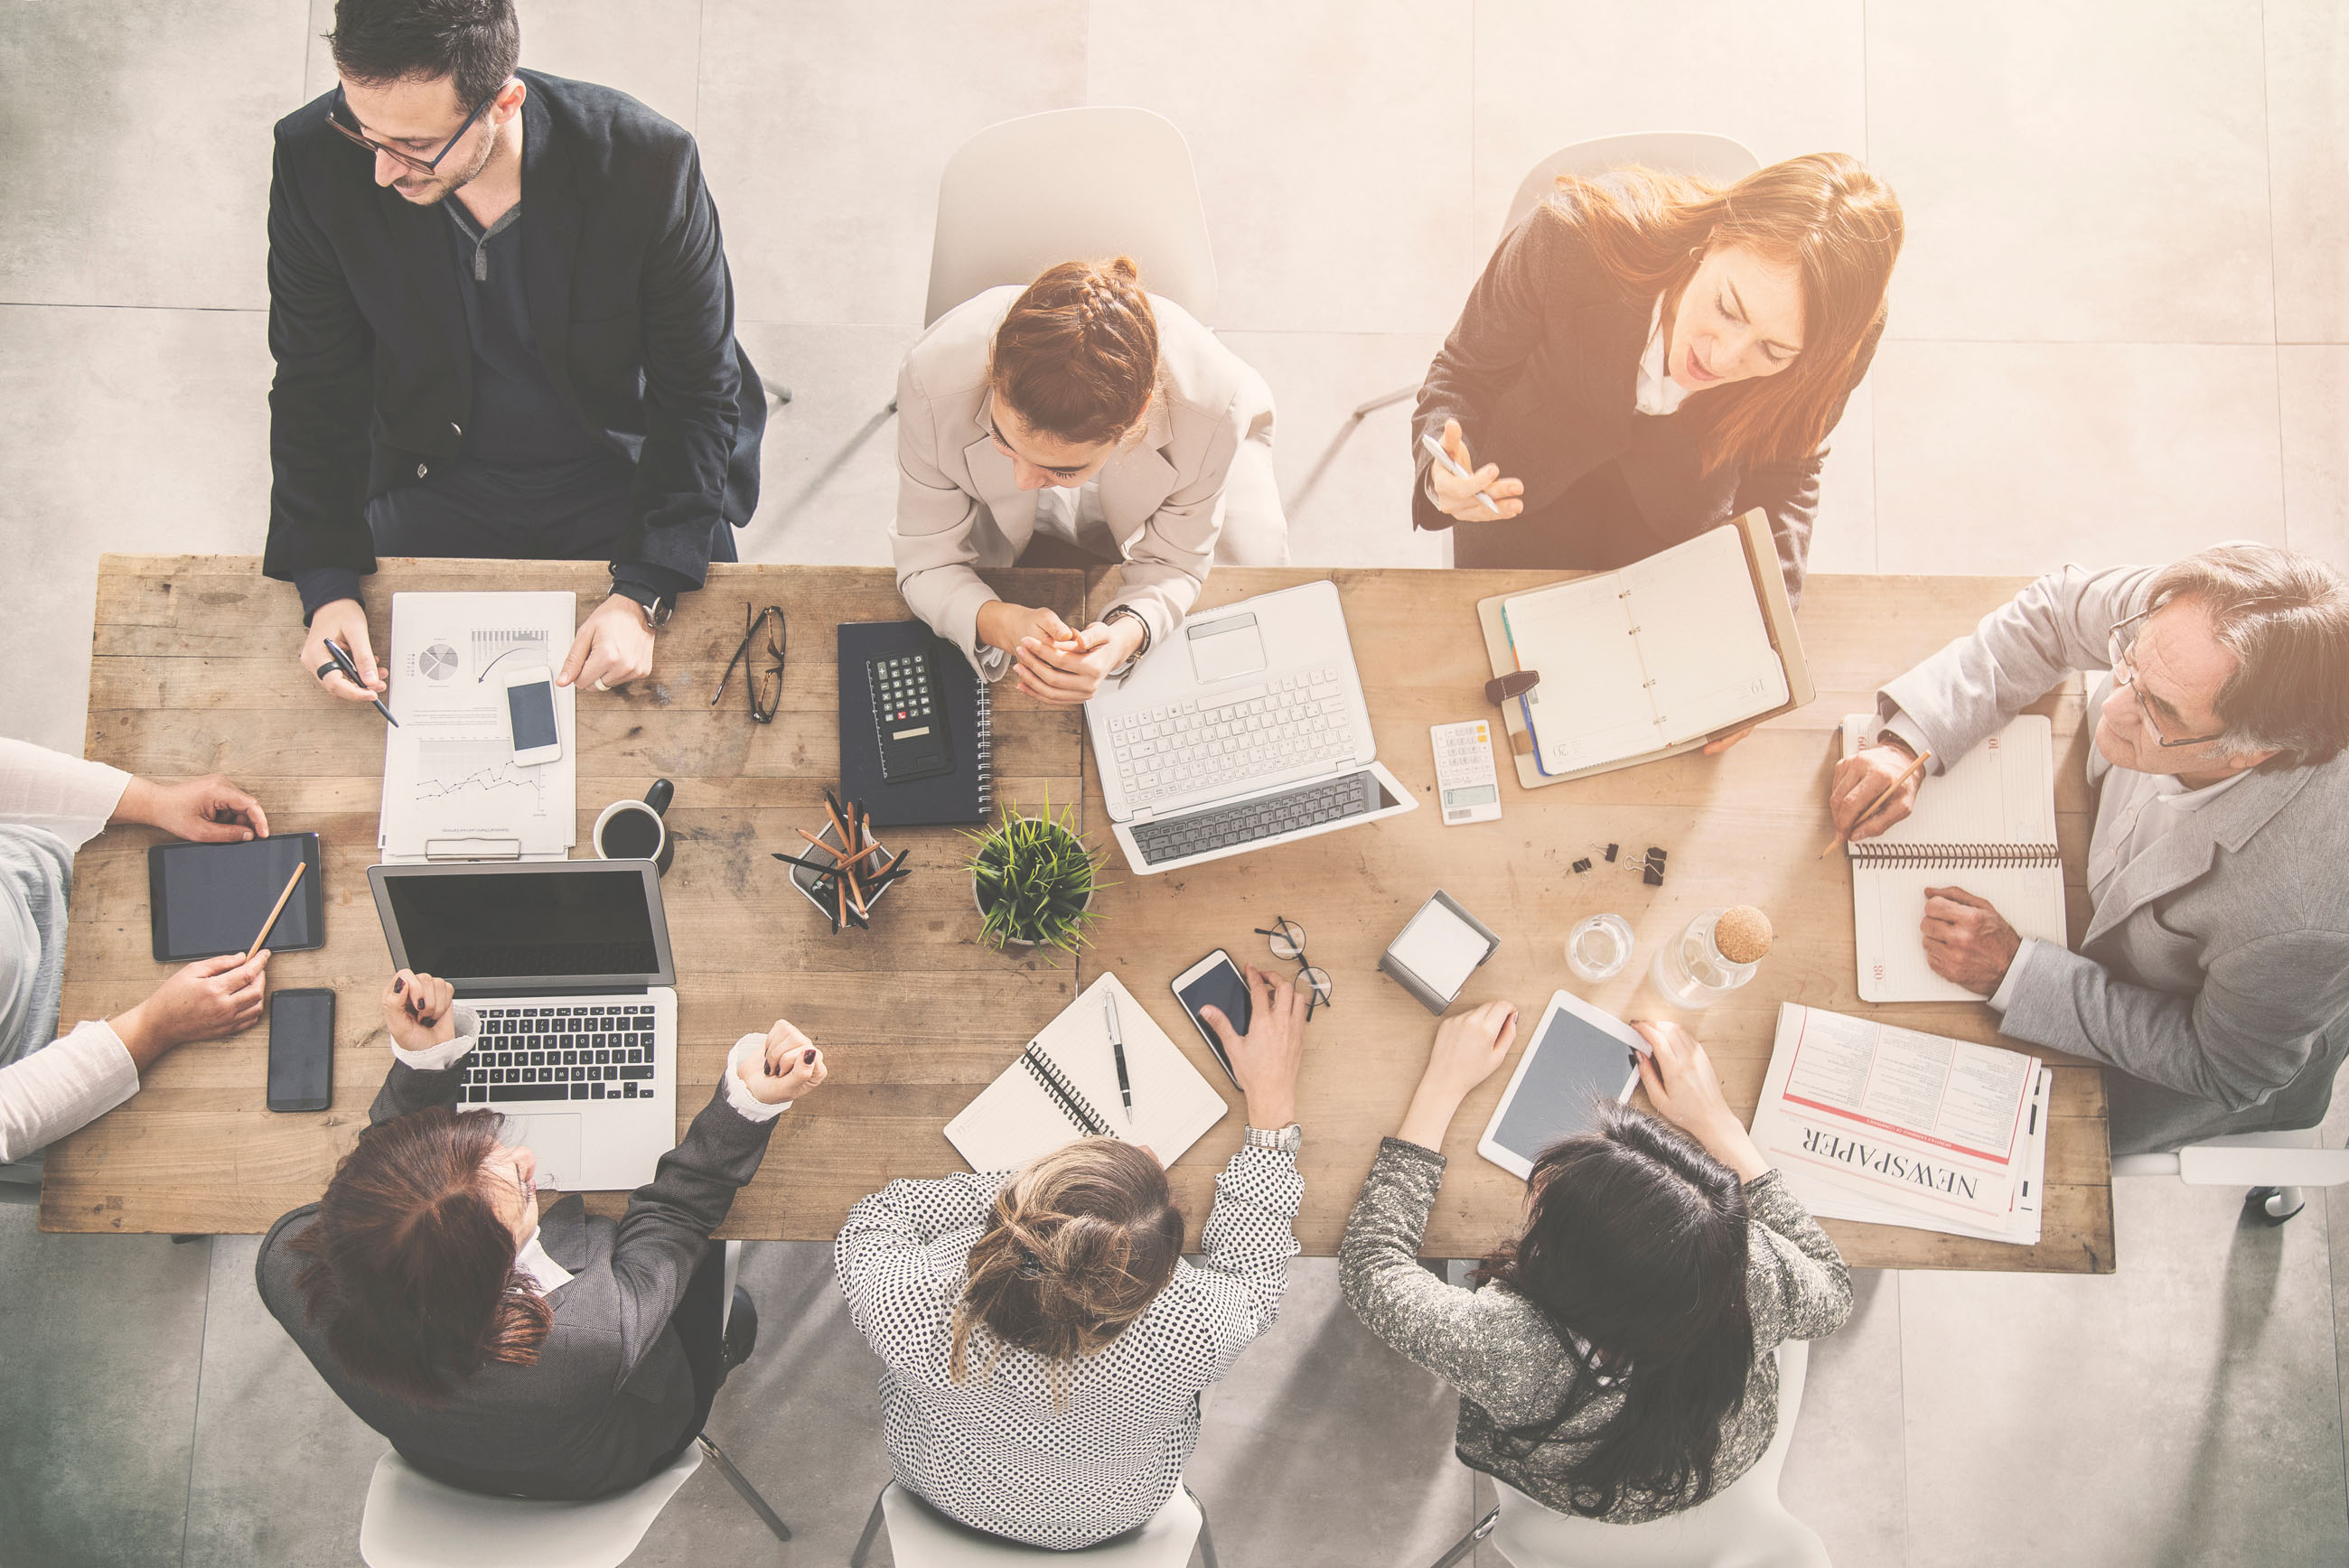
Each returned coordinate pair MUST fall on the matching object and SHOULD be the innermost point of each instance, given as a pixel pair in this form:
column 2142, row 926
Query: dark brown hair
column 1080, row 1242
column 1824, row 214
column 1077, row 355
column 2285, row 617
column 1635, row 1240
column 412, row 1272
column 475, row 42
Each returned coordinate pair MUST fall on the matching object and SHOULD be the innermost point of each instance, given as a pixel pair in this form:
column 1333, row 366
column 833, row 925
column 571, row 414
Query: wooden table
column 192, row 670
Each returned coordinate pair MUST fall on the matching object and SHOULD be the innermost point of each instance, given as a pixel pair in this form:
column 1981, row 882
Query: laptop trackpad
column 554, row 1138
column 1225, row 648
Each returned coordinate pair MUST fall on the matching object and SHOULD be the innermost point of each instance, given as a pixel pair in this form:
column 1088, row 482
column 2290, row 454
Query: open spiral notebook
column 1063, row 1087
column 1987, row 825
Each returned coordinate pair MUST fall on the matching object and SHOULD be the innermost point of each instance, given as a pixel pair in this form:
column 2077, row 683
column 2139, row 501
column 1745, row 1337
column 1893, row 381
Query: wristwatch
column 657, row 606
column 1284, row 1140
column 1128, row 612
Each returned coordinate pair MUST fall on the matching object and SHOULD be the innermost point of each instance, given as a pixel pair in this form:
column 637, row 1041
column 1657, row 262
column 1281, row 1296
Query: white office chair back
column 921, row 1537
column 1718, row 158
column 412, row 1520
column 1071, row 185
column 1744, row 1526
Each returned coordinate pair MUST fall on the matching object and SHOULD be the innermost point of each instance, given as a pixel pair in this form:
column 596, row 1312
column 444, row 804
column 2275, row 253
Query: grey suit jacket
column 609, row 1396
column 2216, row 966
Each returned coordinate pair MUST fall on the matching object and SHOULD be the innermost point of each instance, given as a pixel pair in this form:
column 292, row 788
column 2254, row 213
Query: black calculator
column 909, row 710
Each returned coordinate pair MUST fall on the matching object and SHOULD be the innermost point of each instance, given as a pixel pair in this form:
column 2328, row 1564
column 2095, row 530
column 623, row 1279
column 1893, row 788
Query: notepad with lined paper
column 1987, row 825
column 1063, row 1087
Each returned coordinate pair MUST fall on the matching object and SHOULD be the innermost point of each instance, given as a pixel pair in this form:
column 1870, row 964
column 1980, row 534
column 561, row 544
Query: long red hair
column 1824, row 214
column 412, row 1272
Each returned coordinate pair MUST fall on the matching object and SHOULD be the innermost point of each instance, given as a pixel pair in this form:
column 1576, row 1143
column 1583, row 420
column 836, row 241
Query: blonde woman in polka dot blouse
column 1043, row 1341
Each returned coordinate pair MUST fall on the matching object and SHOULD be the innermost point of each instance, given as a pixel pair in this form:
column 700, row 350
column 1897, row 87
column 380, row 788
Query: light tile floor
column 2121, row 329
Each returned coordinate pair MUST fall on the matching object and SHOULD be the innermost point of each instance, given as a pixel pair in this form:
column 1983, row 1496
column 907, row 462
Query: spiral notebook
column 1063, row 1087
column 960, row 796
column 1986, row 825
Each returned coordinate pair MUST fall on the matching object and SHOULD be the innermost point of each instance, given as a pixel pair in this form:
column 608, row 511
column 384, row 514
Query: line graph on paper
column 447, row 768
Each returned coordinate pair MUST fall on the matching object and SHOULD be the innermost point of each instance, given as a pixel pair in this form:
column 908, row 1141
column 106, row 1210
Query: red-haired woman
column 1076, row 420
column 1648, row 355
column 562, row 1355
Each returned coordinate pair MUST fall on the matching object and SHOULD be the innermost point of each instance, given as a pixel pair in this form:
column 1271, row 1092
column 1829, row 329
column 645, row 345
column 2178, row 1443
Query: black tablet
column 203, row 899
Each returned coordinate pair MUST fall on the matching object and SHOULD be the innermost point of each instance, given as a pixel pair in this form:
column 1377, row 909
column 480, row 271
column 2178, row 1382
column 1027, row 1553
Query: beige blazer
column 1163, row 496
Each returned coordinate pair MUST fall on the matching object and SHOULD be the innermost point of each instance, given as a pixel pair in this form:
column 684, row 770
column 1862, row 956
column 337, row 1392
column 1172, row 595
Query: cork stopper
column 1742, row 933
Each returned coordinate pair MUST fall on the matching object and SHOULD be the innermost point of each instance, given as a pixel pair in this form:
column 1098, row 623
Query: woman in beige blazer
column 1079, row 417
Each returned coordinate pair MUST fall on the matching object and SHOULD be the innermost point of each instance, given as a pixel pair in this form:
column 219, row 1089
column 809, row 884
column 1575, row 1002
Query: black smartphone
column 301, row 1049
column 1216, row 981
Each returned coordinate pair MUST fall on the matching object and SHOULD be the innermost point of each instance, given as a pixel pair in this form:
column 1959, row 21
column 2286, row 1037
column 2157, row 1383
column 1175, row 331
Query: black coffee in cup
column 631, row 835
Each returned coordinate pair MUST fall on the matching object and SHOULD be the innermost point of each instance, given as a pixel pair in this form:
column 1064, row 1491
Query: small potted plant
column 1033, row 878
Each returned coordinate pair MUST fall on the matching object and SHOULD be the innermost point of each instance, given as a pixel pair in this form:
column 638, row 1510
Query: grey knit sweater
column 1513, row 1369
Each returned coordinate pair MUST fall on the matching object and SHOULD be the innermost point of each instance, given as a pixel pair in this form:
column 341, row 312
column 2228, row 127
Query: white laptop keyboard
column 1233, row 738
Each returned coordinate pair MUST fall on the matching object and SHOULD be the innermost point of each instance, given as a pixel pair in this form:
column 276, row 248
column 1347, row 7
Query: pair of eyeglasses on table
column 1287, row 939
column 762, row 653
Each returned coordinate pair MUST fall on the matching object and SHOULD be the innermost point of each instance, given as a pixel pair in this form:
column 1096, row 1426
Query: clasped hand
column 1051, row 663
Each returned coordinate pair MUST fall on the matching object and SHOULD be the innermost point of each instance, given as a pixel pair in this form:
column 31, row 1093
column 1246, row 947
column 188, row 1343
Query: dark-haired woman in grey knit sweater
column 1617, row 1360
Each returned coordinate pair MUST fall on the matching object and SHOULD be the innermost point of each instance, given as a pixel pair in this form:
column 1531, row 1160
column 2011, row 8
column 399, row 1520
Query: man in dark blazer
column 504, row 327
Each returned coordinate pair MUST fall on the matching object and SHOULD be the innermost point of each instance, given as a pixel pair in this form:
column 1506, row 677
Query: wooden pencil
column 1876, row 805
column 275, row 910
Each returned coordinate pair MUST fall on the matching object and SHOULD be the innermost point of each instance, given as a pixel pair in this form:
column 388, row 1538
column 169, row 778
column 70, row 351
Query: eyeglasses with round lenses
column 1287, row 939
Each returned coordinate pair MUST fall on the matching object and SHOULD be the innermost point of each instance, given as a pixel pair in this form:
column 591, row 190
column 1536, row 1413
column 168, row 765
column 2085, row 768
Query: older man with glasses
column 2215, row 970
column 504, row 327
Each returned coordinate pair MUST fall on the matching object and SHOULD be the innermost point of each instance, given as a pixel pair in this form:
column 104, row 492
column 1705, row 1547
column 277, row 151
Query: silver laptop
column 1246, row 728
column 567, row 964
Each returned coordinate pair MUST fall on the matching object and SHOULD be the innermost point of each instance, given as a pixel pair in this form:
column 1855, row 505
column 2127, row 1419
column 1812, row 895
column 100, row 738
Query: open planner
column 1063, row 1087
column 1651, row 659
column 1986, row 825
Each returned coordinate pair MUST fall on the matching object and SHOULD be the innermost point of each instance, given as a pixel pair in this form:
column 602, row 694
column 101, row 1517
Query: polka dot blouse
column 993, row 1450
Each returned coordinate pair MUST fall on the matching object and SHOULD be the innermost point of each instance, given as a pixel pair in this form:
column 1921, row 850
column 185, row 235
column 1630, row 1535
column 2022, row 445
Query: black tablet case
column 234, row 886
column 962, row 796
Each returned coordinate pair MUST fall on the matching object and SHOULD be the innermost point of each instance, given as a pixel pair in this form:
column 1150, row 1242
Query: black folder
column 962, row 796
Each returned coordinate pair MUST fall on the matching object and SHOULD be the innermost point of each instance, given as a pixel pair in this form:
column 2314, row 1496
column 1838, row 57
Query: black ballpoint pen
column 1117, row 1048
column 351, row 673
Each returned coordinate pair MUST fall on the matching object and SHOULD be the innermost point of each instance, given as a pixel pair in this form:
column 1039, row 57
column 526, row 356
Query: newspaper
column 1872, row 1121
column 452, row 789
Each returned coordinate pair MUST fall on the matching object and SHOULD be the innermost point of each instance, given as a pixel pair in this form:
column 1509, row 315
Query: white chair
column 1718, row 158
column 1071, row 183
column 2276, row 1167
column 1744, row 1526
column 411, row 1520
column 921, row 1537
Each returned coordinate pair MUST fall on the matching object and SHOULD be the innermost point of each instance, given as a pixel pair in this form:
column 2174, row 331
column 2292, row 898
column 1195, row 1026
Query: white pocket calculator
column 1466, row 784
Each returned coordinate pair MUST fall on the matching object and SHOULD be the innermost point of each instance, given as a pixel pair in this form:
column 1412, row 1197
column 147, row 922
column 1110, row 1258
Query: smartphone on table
column 1216, row 981
column 301, row 1049
column 530, row 715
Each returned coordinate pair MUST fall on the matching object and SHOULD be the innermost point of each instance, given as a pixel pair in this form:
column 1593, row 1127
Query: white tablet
column 1578, row 1057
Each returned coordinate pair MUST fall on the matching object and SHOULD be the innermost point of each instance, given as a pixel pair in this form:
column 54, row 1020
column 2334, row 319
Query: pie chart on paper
column 438, row 662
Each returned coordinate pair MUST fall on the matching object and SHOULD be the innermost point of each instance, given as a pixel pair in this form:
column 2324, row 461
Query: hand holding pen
column 788, row 1068
column 342, row 660
column 419, row 1010
column 1483, row 496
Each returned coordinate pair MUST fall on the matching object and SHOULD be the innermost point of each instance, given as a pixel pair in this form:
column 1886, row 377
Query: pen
column 351, row 673
column 1435, row 449
column 1117, row 1048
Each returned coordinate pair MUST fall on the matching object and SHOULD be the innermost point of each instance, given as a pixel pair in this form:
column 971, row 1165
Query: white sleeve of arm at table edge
column 2004, row 997
column 70, row 796
column 62, row 1087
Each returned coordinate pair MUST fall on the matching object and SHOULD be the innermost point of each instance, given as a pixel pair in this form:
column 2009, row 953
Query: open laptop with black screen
column 567, row 964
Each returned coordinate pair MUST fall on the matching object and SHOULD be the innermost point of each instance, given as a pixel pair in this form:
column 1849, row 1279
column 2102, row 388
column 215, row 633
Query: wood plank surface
column 1742, row 827
column 193, row 669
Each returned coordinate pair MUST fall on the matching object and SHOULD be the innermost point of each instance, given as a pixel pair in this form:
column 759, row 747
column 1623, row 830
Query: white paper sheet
column 452, row 789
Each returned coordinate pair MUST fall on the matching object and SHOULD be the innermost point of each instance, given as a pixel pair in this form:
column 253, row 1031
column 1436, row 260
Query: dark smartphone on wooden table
column 301, row 1049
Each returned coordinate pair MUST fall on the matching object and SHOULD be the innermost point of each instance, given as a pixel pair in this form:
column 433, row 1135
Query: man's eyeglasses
column 1287, row 940
column 2116, row 655
column 762, row 652
column 343, row 120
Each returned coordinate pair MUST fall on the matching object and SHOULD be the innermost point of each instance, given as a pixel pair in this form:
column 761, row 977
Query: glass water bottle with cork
column 1713, row 955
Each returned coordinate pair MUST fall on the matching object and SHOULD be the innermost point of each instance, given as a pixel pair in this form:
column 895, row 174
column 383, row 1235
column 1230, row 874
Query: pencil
column 1874, row 806
column 819, row 843
column 276, row 910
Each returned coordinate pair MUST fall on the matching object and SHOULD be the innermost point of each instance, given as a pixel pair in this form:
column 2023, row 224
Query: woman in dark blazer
column 1648, row 357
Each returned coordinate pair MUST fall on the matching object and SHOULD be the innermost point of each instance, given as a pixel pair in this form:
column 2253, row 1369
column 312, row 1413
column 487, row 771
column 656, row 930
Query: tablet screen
column 1570, row 1068
column 210, row 898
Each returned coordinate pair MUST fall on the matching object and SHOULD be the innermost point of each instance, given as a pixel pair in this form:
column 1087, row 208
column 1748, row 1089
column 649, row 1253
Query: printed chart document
column 1871, row 1121
column 452, row 789
column 1986, row 825
column 1661, row 652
